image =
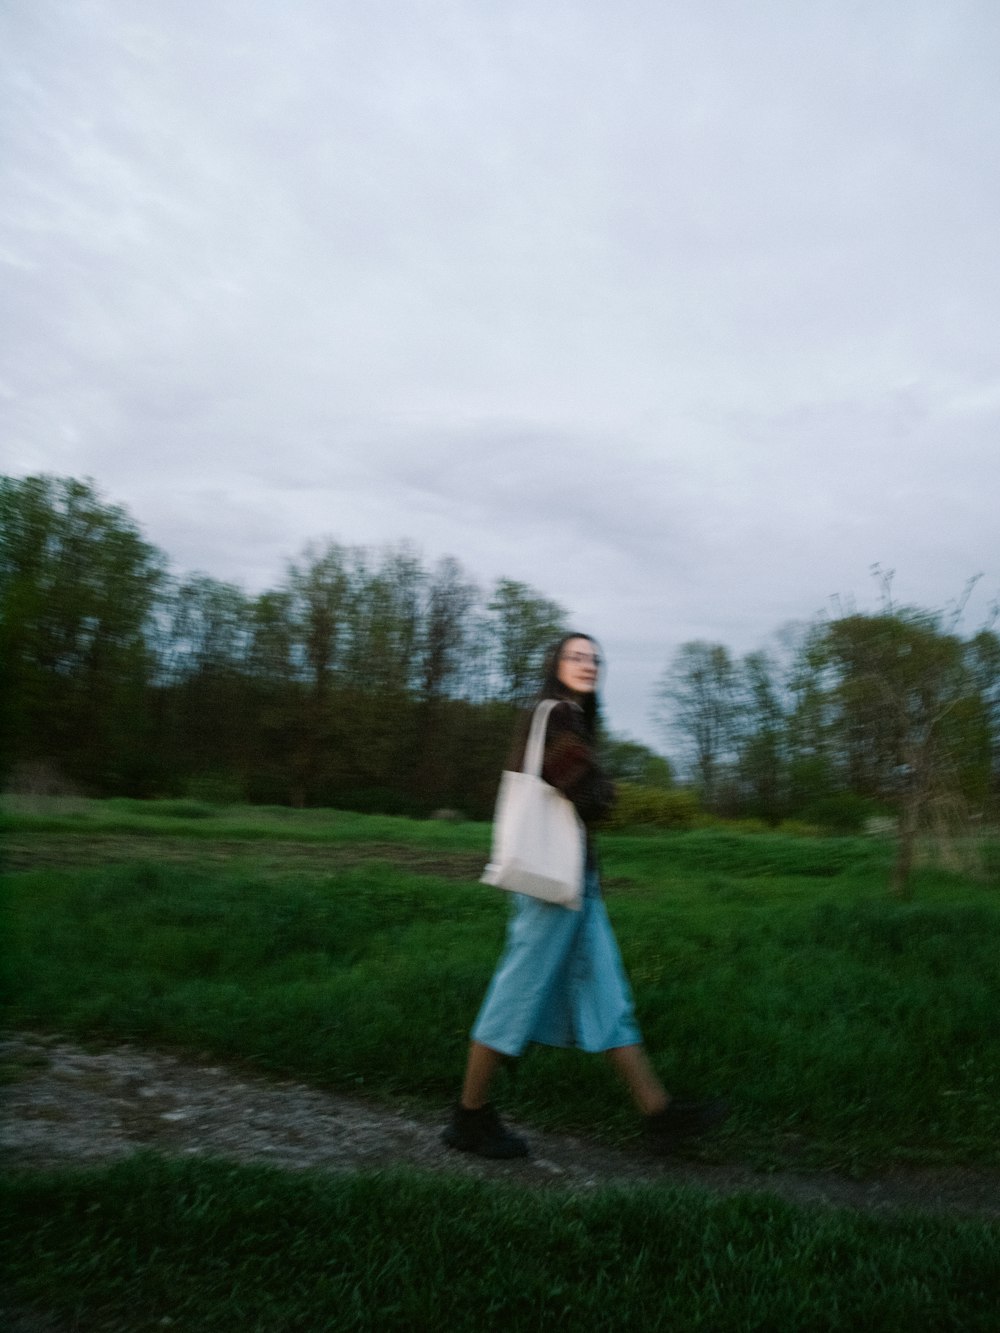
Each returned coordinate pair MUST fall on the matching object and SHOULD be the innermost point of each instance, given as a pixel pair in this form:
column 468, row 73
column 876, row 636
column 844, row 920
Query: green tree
column 522, row 626
column 376, row 726
column 630, row 761
column 319, row 602
column 448, row 632
column 761, row 738
column 275, row 716
column 698, row 703
column 904, row 705
column 271, row 643
column 78, row 591
column 447, row 672
column 208, row 728
column 809, row 732
column 381, row 646
column 982, row 656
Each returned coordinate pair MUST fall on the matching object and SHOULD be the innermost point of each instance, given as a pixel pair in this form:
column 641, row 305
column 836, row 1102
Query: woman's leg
column 475, row 1126
column 632, row 1065
column 665, row 1121
column 482, row 1064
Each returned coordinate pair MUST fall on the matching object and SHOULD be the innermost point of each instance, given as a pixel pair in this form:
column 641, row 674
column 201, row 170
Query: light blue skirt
column 560, row 980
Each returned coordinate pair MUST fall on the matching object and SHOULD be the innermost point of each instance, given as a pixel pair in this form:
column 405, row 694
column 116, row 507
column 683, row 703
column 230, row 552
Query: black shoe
column 681, row 1120
column 482, row 1132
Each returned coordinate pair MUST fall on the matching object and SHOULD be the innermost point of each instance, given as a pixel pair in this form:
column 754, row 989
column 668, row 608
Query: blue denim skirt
column 559, row 981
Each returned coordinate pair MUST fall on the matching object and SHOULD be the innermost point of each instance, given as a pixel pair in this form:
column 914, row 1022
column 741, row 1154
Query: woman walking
column 560, row 979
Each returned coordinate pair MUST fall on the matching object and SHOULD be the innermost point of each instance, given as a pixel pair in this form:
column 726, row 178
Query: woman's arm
column 571, row 765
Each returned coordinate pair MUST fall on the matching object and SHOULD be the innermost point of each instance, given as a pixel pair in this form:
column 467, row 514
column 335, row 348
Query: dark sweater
column 570, row 764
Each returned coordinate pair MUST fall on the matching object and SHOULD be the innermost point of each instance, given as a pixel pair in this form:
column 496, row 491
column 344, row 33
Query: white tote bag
column 539, row 842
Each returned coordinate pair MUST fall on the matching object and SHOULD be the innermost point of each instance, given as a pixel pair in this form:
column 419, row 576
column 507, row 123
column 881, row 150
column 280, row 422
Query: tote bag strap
column 534, row 750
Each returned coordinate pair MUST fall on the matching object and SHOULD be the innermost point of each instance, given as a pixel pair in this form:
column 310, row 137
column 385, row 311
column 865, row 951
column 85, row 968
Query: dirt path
column 68, row 1106
column 61, row 851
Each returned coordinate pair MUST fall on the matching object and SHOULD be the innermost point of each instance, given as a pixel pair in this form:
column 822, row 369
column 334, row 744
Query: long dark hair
column 553, row 688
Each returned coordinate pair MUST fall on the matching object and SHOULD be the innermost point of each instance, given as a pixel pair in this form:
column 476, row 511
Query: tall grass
column 205, row 1246
column 203, row 820
column 846, row 1030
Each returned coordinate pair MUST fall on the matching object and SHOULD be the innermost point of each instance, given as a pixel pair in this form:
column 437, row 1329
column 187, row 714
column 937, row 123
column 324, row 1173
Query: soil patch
column 71, row 851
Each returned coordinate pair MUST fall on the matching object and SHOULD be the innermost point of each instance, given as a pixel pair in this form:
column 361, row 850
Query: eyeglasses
column 582, row 659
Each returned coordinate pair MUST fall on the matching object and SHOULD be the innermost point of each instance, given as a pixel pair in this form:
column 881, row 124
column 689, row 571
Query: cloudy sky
column 685, row 312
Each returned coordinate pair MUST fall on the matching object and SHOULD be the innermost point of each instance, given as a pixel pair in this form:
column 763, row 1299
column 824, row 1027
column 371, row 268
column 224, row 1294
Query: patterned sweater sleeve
column 571, row 765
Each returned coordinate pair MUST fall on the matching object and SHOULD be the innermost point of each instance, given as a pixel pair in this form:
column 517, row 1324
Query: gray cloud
column 684, row 315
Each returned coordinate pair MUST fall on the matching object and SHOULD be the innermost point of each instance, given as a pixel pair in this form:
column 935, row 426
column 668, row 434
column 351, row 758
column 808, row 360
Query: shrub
column 844, row 812
column 798, row 828
column 379, row 801
column 751, row 824
column 175, row 809
column 651, row 807
column 215, row 789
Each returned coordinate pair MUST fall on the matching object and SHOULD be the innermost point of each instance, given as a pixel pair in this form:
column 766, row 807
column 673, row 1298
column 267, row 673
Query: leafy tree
column 902, row 697
column 376, row 724
column 380, row 650
column 809, row 733
column 206, row 709
column 448, row 651
column 523, row 626
column 362, row 673
column 319, row 603
column 698, row 702
column 448, row 631
column 761, row 738
column 211, row 626
column 271, row 640
column 982, row 659
column 275, row 712
column 78, row 589
column 630, row 761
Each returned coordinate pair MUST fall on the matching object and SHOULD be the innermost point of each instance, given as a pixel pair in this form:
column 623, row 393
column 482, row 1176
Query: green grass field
column 850, row 1033
column 201, row 1246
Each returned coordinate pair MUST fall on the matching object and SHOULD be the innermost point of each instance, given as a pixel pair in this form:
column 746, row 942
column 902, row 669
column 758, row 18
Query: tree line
column 890, row 714
column 363, row 679
column 368, row 680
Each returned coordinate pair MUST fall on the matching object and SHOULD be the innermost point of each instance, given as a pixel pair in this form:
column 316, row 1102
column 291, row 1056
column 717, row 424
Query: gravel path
column 68, row 1106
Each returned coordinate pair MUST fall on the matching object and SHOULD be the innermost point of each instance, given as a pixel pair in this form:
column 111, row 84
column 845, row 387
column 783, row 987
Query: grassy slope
column 849, row 1031
column 204, row 1246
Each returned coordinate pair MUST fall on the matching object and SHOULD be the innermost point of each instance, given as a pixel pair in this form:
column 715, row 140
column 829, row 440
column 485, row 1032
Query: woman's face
column 579, row 663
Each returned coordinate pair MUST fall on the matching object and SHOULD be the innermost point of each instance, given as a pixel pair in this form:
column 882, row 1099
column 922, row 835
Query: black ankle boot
column 482, row 1132
column 664, row 1130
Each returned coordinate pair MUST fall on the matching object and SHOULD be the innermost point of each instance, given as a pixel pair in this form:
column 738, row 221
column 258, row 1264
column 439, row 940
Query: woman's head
column 577, row 663
column 572, row 668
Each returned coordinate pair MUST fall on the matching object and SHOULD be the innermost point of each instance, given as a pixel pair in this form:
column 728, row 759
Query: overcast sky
column 684, row 313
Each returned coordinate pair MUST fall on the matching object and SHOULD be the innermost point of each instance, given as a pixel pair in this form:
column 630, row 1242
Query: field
column 852, row 1034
